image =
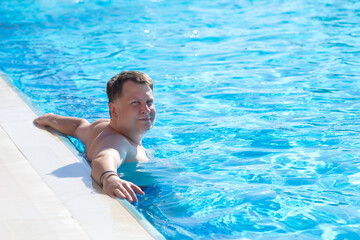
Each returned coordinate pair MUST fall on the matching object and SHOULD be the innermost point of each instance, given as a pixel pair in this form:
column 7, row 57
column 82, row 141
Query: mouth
column 145, row 119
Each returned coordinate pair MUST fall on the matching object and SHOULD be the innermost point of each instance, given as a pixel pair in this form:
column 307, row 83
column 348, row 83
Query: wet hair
column 115, row 84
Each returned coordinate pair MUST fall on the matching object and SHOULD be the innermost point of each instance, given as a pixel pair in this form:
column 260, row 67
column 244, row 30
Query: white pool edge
column 66, row 174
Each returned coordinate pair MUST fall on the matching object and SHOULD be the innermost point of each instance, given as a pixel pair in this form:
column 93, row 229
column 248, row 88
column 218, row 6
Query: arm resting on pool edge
column 110, row 152
column 72, row 126
column 107, row 159
column 103, row 168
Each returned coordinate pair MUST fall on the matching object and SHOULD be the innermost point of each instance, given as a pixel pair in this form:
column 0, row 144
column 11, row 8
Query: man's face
column 135, row 110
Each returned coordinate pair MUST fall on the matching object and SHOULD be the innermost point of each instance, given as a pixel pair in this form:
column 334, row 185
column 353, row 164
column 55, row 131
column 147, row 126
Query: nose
column 145, row 108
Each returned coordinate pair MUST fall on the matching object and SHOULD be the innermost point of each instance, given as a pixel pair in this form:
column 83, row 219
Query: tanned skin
column 111, row 142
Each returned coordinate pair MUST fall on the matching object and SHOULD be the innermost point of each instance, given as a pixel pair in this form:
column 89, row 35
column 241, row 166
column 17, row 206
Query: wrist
column 105, row 175
column 108, row 176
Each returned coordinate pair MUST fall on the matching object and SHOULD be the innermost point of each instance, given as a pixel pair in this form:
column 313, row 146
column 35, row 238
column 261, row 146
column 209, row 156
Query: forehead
column 136, row 90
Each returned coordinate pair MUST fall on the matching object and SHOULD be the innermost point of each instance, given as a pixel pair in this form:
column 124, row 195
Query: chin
column 146, row 127
column 149, row 127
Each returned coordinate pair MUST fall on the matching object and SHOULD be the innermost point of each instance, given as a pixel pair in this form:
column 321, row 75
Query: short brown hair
column 115, row 84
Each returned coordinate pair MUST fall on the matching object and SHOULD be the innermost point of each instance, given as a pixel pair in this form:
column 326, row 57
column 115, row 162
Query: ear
column 112, row 110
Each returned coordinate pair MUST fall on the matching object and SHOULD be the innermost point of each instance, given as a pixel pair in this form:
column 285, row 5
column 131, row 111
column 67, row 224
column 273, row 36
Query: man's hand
column 44, row 120
column 116, row 187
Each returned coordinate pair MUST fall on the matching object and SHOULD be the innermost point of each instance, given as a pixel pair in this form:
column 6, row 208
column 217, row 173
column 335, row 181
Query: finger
column 131, row 192
column 126, row 193
column 137, row 189
column 111, row 194
column 37, row 121
column 40, row 122
column 118, row 193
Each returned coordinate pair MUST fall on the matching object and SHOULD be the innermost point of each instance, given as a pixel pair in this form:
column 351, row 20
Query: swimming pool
column 257, row 132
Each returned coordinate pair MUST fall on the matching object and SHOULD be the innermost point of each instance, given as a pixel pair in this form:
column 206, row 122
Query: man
column 109, row 143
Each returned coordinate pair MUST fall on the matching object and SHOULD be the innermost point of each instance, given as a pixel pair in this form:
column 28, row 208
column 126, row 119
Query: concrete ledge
column 47, row 190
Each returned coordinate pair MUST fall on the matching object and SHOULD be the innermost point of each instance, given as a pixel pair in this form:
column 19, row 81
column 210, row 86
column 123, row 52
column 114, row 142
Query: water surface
column 257, row 132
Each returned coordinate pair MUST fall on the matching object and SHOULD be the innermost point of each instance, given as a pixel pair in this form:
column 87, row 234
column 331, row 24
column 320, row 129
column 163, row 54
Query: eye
column 149, row 102
column 135, row 103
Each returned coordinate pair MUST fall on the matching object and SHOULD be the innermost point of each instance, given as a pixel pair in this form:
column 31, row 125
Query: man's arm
column 71, row 126
column 105, row 163
column 104, row 171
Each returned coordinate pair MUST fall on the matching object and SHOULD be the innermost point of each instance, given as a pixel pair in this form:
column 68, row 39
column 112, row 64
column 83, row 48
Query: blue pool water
column 257, row 132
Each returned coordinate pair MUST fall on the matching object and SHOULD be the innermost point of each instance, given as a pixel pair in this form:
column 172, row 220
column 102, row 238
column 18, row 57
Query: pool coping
column 85, row 209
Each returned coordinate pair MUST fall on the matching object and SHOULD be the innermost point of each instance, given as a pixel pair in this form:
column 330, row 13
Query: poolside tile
column 27, row 206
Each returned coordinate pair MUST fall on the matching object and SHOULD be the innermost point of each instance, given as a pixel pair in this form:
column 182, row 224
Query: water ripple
column 257, row 132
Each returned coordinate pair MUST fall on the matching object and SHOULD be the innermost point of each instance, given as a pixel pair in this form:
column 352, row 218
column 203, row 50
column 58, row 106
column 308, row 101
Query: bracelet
column 110, row 175
column 102, row 175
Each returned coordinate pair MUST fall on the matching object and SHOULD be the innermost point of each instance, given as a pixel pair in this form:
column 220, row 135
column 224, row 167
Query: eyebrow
column 140, row 99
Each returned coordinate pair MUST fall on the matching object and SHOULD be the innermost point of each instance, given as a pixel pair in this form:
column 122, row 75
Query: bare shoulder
column 100, row 122
column 103, row 137
column 103, row 120
column 96, row 128
column 111, row 137
column 85, row 131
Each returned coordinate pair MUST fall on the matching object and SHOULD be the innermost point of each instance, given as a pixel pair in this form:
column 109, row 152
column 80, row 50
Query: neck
column 134, row 138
